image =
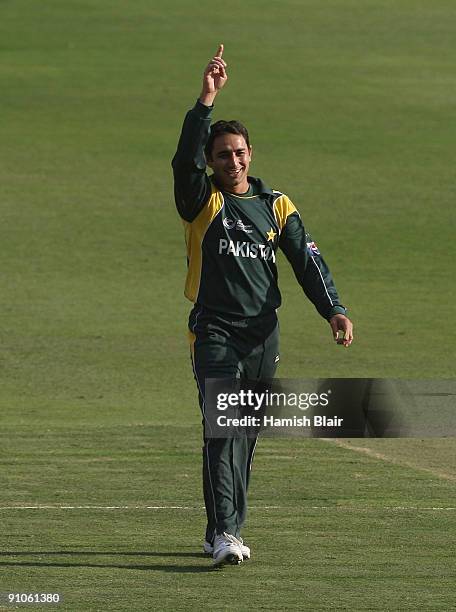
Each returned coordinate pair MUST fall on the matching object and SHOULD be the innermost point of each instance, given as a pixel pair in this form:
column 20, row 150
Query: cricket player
column 234, row 224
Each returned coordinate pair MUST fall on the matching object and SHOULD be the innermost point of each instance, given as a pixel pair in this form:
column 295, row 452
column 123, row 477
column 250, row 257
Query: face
column 230, row 162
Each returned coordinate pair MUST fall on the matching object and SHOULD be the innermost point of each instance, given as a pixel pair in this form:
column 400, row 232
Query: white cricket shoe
column 227, row 550
column 209, row 549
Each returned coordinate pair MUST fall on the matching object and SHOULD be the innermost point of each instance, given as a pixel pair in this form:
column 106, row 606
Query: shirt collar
column 259, row 186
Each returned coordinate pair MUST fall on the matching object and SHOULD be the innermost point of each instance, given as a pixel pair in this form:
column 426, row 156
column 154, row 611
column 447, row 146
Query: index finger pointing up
column 219, row 50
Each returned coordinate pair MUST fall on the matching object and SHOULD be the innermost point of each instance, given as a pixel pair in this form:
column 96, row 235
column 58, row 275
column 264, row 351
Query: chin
column 229, row 184
column 237, row 181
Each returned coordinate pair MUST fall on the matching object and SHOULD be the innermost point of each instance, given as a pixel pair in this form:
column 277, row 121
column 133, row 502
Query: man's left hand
column 342, row 329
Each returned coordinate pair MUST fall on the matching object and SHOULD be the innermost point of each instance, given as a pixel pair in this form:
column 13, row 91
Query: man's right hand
column 214, row 78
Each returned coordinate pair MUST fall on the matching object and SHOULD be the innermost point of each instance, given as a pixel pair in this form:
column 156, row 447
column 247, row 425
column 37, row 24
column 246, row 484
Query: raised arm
column 191, row 183
column 214, row 78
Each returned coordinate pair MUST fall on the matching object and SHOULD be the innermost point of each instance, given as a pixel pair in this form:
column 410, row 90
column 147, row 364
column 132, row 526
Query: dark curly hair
column 225, row 127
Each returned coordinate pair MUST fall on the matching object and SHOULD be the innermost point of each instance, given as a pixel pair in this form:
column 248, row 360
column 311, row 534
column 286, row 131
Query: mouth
column 234, row 173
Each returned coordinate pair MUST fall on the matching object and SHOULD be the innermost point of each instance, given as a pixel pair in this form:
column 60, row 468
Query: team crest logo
column 236, row 224
column 229, row 223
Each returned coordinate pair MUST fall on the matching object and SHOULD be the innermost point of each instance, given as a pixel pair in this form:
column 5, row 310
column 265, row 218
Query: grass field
column 350, row 106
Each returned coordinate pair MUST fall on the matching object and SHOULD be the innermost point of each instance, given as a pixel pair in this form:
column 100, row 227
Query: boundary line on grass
column 382, row 457
column 344, row 508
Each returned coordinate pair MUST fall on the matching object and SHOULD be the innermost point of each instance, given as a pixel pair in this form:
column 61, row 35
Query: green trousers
column 223, row 347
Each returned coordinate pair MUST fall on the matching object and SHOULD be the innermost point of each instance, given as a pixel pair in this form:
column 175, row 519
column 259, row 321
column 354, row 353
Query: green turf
column 350, row 106
column 329, row 530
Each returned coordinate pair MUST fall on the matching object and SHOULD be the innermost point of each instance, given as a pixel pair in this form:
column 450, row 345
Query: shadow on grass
column 31, row 553
column 158, row 567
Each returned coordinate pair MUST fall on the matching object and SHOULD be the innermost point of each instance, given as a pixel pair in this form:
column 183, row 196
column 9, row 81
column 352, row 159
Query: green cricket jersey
column 232, row 240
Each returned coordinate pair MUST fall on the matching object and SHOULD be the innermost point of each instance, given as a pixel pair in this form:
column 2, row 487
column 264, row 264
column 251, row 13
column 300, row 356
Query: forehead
column 228, row 142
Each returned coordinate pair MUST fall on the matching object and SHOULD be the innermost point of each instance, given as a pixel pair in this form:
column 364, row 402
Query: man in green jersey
column 234, row 224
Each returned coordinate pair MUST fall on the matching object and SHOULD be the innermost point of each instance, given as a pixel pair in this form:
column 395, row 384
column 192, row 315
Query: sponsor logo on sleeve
column 312, row 248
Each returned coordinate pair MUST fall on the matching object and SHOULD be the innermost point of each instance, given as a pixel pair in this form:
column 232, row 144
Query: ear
column 250, row 153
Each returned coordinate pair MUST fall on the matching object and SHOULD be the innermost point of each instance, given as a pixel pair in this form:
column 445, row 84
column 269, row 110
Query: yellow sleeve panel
column 283, row 208
column 194, row 236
